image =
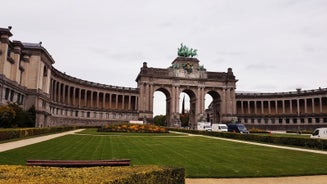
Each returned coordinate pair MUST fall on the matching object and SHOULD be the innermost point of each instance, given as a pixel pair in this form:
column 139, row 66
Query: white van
column 219, row 127
column 319, row 133
column 204, row 126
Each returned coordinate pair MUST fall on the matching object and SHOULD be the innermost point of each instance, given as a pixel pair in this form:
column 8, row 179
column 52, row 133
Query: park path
column 322, row 179
column 25, row 142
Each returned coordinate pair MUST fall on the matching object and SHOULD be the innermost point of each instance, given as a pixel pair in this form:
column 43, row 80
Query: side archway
column 167, row 95
column 193, row 104
column 214, row 114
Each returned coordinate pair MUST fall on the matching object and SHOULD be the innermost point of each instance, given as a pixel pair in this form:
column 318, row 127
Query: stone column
column 103, row 100
column 74, row 96
column 255, row 106
column 98, row 100
column 55, row 89
column 320, row 104
column 110, row 101
column 68, row 96
column 151, row 97
column 298, row 106
column 64, row 94
column 269, row 107
column 91, row 96
column 305, row 106
column 117, row 97
column 313, row 105
column 129, row 102
column 123, row 102
column 59, row 92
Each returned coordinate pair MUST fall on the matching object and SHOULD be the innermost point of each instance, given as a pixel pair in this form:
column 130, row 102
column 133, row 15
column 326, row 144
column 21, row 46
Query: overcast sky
column 272, row 45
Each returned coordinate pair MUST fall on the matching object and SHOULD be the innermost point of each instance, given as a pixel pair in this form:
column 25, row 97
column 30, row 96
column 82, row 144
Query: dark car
column 237, row 128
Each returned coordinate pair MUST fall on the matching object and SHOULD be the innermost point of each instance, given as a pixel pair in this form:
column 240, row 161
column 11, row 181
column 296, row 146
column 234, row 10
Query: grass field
column 201, row 157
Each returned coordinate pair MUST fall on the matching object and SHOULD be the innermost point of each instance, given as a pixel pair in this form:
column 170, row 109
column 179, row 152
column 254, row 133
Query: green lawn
column 201, row 157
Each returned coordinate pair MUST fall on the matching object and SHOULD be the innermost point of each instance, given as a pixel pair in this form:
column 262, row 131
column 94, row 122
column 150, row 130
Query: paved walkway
column 26, row 142
column 280, row 180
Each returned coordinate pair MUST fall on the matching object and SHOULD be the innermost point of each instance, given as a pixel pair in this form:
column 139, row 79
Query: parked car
column 319, row 133
column 219, row 127
column 237, row 128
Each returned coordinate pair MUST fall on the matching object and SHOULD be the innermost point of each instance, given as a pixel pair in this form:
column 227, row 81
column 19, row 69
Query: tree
column 160, row 120
column 7, row 115
column 12, row 115
column 184, row 119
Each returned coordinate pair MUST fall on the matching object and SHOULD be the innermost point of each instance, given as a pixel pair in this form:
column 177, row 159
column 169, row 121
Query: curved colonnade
column 284, row 110
column 79, row 102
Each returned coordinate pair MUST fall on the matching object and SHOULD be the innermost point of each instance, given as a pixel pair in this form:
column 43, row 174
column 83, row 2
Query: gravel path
column 26, row 142
column 322, row 179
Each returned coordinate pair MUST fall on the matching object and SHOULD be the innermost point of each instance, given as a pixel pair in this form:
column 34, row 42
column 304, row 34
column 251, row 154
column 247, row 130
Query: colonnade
column 94, row 98
column 285, row 108
column 74, row 100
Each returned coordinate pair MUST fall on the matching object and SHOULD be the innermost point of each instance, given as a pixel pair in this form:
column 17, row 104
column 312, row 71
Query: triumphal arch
column 186, row 75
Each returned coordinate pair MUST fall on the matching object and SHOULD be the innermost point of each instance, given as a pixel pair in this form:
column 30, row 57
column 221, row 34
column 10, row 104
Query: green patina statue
column 186, row 52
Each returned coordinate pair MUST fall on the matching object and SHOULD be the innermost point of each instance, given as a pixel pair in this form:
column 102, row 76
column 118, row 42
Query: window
column 259, row 120
column 302, row 120
column 309, row 120
column 76, row 113
column 317, row 120
column 273, row 120
column 287, row 120
column 280, row 120
column 88, row 114
column 7, row 92
column 266, row 120
column 325, row 120
column 294, row 120
column 12, row 95
column 45, row 71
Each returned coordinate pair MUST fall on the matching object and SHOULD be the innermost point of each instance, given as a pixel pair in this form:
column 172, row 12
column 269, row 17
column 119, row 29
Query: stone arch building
column 186, row 75
column 28, row 78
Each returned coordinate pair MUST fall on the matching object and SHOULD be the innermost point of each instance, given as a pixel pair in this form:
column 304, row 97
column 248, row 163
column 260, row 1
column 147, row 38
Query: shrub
column 111, row 175
column 255, row 130
column 14, row 133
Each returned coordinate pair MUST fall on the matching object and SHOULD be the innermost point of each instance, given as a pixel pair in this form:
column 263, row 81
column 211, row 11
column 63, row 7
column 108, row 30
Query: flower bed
column 144, row 128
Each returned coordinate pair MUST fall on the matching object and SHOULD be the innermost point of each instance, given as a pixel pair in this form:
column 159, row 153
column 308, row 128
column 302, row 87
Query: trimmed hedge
column 320, row 144
column 14, row 133
column 110, row 175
